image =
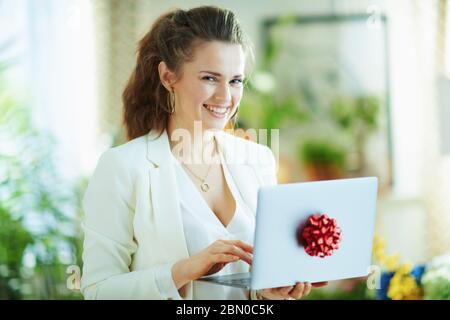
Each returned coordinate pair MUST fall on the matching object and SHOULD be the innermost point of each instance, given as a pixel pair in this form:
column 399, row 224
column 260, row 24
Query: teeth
column 218, row 110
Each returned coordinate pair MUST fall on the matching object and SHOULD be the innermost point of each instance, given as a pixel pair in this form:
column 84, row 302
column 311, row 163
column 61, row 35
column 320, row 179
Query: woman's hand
column 296, row 292
column 211, row 260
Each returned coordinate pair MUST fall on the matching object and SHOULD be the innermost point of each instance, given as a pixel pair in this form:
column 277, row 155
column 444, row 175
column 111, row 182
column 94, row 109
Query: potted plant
column 322, row 159
column 356, row 118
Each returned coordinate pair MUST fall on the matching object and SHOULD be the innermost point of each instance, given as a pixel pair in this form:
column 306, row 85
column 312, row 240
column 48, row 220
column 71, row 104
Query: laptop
column 279, row 259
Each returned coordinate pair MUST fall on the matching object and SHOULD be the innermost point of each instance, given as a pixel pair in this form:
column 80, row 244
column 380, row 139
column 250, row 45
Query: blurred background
column 356, row 87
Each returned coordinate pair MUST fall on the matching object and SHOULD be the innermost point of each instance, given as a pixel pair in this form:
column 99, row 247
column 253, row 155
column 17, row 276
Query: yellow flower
column 403, row 285
column 378, row 242
column 378, row 248
column 391, row 262
column 405, row 268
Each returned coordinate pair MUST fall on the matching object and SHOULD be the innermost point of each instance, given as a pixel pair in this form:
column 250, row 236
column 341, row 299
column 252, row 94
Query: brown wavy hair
column 172, row 39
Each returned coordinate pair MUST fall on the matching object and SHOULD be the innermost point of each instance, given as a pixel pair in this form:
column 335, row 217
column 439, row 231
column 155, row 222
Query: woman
column 161, row 214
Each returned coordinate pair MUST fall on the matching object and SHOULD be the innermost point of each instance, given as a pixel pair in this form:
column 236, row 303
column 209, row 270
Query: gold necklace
column 203, row 185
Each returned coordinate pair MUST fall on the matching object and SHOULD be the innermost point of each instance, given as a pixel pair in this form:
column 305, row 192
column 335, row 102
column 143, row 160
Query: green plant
column 263, row 106
column 306, row 110
column 36, row 207
column 436, row 279
column 356, row 118
column 322, row 160
column 356, row 114
column 14, row 239
column 322, row 152
column 263, row 110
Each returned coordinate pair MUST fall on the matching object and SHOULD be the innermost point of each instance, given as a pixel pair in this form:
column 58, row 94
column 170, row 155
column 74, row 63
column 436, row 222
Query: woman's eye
column 209, row 78
column 237, row 81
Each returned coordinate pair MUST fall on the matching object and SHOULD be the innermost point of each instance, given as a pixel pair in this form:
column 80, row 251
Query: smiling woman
column 209, row 87
column 155, row 221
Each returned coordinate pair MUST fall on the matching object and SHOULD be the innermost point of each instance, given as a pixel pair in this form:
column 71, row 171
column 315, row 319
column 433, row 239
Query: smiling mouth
column 217, row 111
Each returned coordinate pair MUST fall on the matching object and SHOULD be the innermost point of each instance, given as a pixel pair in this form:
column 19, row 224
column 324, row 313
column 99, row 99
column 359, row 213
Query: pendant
column 204, row 186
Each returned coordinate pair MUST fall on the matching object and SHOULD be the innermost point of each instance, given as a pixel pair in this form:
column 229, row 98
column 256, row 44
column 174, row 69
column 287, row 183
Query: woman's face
column 210, row 86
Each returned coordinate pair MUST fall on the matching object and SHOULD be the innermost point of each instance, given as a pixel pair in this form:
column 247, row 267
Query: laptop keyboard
column 238, row 281
column 241, row 280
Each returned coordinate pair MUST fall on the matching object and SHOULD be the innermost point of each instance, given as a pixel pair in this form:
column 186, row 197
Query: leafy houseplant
column 14, row 239
column 356, row 117
column 261, row 109
column 35, row 207
column 322, row 159
column 264, row 104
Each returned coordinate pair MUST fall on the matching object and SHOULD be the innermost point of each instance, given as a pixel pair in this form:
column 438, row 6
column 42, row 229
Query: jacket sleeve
column 108, row 237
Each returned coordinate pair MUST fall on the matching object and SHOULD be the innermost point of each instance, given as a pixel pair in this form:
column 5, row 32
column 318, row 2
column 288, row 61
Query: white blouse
column 201, row 229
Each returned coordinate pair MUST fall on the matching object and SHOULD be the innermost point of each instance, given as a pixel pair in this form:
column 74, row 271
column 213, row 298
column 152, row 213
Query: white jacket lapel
column 164, row 197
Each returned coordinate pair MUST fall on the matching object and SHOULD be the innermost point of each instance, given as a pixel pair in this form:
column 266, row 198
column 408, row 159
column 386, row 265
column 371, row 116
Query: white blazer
column 133, row 225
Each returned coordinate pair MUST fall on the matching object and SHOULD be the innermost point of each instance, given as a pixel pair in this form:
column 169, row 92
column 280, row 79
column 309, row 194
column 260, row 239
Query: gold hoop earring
column 171, row 102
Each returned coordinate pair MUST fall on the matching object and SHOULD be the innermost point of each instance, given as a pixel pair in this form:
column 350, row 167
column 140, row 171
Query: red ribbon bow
column 320, row 236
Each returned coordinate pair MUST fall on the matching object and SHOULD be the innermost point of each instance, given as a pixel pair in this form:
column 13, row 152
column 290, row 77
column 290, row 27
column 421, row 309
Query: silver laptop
column 279, row 260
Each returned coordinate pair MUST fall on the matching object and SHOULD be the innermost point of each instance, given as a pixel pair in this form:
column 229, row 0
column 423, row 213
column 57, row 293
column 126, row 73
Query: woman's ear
column 166, row 76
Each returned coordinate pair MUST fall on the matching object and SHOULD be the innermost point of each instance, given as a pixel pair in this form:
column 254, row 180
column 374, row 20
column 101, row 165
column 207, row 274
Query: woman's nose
column 223, row 94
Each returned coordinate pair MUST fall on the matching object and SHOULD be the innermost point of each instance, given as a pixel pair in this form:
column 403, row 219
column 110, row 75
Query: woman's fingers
column 307, row 289
column 224, row 258
column 301, row 289
column 298, row 290
column 245, row 256
column 280, row 293
column 244, row 246
column 283, row 292
column 233, row 247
